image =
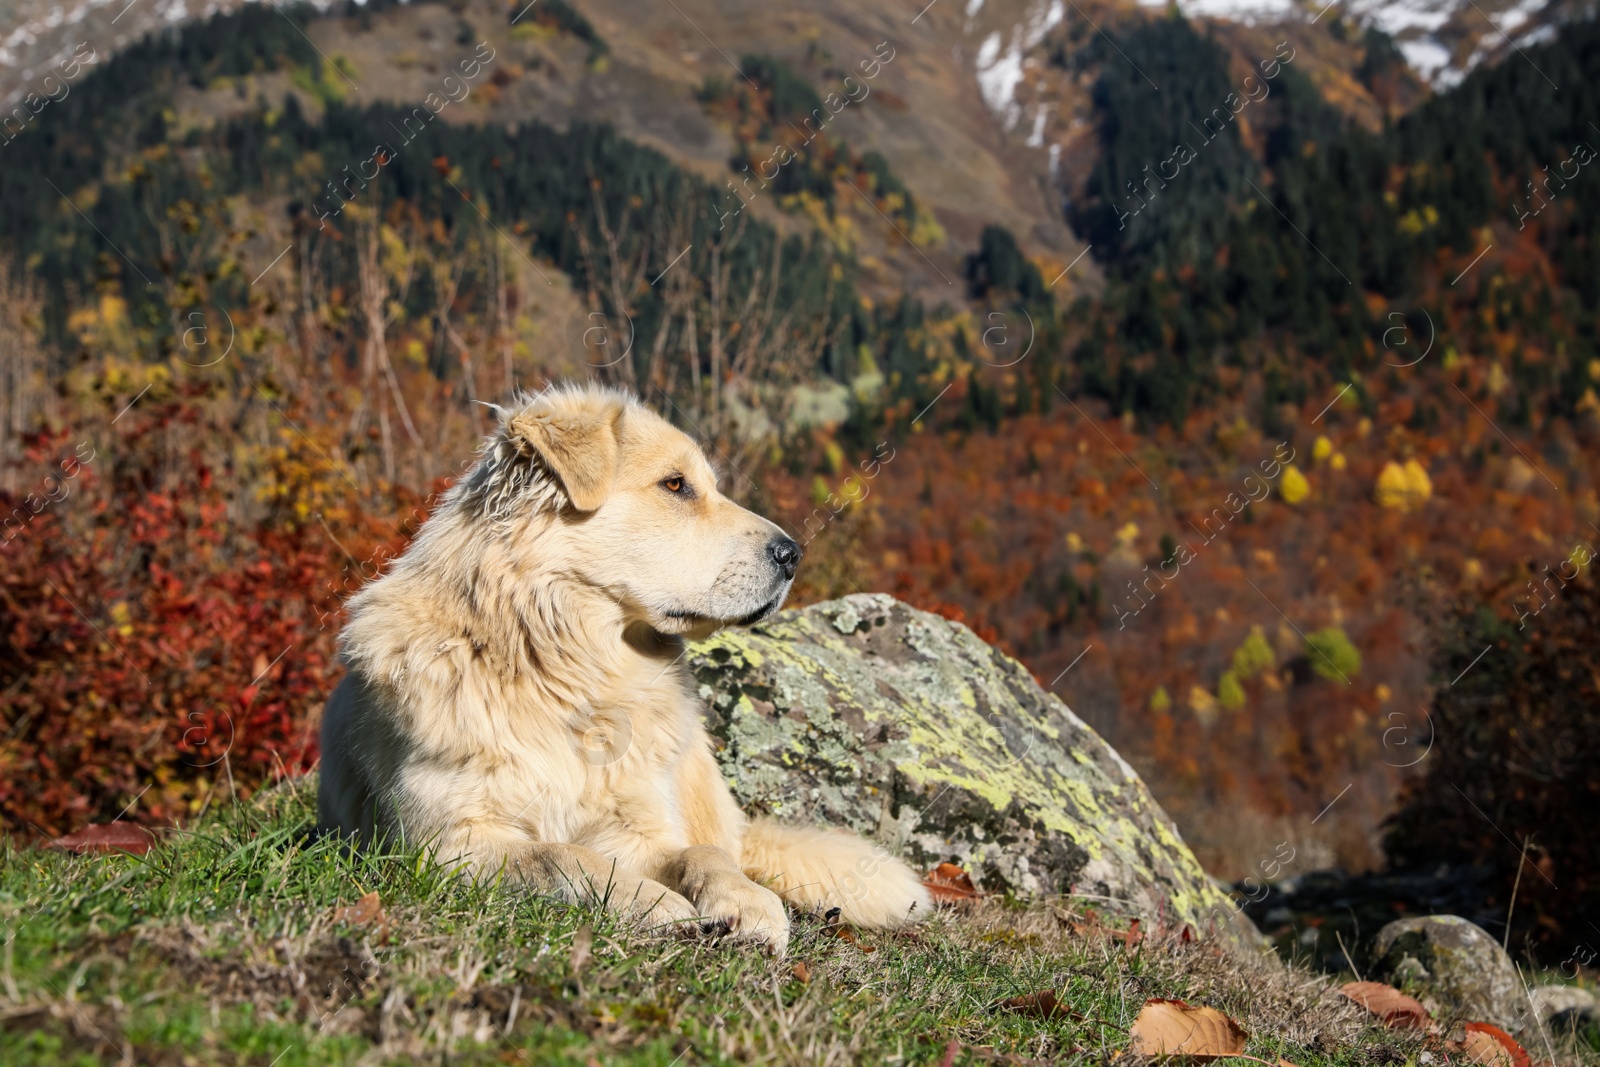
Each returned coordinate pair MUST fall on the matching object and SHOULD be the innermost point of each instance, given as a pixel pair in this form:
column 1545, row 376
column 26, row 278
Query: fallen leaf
column 1130, row 936
column 368, row 911
column 108, row 837
column 1171, row 1027
column 1487, row 1044
column 801, row 972
column 582, row 949
column 1388, row 1003
column 845, row 932
column 837, row 927
column 1091, row 926
column 949, row 884
column 1042, row 1004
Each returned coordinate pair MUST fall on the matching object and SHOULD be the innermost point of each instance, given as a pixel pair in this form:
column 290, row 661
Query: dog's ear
column 575, row 433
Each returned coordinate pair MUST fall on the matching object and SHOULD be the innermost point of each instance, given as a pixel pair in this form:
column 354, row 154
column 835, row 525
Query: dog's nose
column 785, row 553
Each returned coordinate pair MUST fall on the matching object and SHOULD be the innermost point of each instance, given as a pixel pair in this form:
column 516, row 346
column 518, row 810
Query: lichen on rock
column 867, row 713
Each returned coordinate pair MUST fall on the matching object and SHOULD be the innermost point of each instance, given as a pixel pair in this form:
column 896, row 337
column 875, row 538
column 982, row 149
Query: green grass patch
column 229, row 944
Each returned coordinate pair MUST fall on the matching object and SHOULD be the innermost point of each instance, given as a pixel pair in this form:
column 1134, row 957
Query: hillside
column 1213, row 367
column 329, row 959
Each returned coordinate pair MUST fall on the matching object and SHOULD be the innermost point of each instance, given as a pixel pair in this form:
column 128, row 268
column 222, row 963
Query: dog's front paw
column 734, row 904
column 658, row 908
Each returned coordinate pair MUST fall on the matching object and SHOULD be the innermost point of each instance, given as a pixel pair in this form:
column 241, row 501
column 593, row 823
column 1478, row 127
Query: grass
column 229, row 944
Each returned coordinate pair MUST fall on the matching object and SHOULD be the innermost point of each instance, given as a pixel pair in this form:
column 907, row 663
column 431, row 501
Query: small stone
column 1566, row 1007
column 1456, row 969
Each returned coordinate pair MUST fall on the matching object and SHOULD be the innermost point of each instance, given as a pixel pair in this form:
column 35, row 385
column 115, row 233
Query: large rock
column 864, row 712
column 1459, row 971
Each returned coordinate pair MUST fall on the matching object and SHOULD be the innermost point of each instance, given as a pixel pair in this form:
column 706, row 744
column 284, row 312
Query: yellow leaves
column 1254, row 655
column 1322, row 452
column 1293, row 486
column 1403, row 488
column 1160, row 700
column 926, row 231
column 397, row 258
column 296, row 478
column 1127, row 534
column 1203, row 704
column 1414, row 222
column 833, row 455
column 1230, row 693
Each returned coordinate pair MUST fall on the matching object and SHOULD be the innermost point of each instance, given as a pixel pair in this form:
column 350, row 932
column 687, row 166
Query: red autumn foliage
column 157, row 651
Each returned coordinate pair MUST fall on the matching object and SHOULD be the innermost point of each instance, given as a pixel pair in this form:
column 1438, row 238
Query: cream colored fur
column 516, row 700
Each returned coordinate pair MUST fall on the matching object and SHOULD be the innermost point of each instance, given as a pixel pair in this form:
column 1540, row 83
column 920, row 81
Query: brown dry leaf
column 1130, row 936
column 364, row 912
column 837, row 927
column 1487, row 1044
column 845, row 932
column 949, row 884
column 368, row 911
column 108, row 837
column 1042, row 1004
column 1389, row 1004
column 801, row 972
column 582, row 949
column 1171, row 1027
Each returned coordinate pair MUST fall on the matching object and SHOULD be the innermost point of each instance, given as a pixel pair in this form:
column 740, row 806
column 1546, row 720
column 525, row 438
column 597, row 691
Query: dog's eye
column 675, row 484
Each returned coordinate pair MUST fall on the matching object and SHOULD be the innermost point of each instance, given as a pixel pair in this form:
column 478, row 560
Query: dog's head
column 637, row 513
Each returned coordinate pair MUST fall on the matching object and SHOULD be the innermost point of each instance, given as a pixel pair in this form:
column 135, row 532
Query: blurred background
column 1231, row 365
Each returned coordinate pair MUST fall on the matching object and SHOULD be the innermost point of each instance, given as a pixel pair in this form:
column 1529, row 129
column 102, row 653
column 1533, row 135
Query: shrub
column 1518, row 741
column 167, row 636
column 1331, row 653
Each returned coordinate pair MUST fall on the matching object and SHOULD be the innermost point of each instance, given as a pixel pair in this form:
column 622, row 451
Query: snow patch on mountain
column 1414, row 24
column 1001, row 59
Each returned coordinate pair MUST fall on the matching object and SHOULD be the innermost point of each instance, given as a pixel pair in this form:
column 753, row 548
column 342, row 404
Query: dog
column 516, row 701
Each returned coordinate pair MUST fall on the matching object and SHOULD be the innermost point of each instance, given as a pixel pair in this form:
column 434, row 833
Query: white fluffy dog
column 516, row 702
